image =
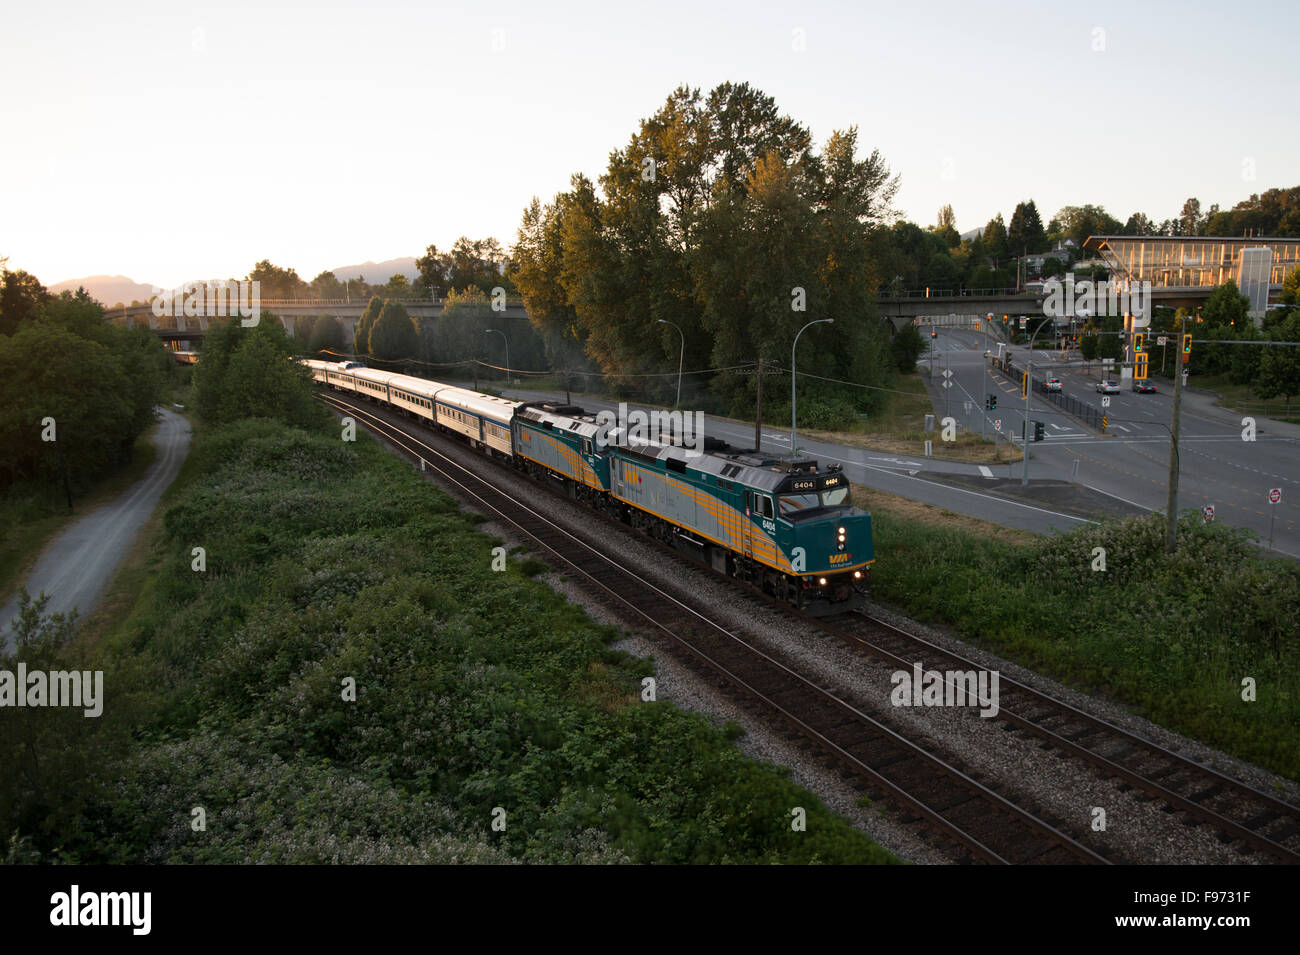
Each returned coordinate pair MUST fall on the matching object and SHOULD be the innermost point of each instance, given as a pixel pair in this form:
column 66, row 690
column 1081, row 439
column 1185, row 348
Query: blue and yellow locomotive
column 787, row 527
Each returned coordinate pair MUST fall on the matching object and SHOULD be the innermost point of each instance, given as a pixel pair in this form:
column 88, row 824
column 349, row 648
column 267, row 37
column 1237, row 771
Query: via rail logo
column 1086, row 299
column 220, row 299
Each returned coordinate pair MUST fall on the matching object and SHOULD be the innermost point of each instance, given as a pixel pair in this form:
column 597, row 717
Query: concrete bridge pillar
column 287, row 322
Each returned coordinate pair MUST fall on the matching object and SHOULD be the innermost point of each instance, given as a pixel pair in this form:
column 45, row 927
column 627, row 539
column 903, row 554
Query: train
column 786, row 527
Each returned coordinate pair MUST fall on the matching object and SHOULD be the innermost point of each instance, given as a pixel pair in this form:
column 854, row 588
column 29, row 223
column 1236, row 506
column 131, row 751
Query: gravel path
column 77, row 565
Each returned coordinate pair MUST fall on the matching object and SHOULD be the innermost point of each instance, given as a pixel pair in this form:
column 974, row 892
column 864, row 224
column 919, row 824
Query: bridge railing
column 954, row 293
column 1088, row 414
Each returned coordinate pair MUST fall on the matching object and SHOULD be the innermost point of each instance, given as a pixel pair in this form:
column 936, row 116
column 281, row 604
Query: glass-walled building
column 1258, row 266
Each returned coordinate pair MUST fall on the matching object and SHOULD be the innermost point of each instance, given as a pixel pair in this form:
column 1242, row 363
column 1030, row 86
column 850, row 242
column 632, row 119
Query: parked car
column 1107, row 387
column 1053, row 384
column 1144, row 387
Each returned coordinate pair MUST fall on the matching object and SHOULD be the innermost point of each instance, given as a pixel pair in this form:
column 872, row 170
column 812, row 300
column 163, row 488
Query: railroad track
column 1240, row 812
column 979, row 823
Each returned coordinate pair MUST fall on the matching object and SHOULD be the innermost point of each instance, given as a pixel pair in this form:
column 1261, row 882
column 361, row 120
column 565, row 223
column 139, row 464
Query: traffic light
column 991, row 402
column 1038, row 431
column 1140, row 367
column 1187, row 344
column 1024, row 384
column 1137, row 341
column 933, row 333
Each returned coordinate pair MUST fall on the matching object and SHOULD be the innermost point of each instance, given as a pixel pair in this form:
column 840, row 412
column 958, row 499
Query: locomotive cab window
column 793, row 505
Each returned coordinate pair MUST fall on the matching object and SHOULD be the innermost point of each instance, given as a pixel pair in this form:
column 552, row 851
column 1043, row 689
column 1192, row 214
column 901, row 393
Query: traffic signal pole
column 1171, row 506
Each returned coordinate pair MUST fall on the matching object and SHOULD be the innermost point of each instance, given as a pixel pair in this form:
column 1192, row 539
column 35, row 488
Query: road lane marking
column 985, row 471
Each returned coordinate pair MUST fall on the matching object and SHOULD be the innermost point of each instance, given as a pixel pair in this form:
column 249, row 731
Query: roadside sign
column 1105, row 422
column 1207, row 513
column 1022, row 324
column 1184, row 377
column 1105, row 401
column 947, row 373
column 997, row 425
column 1162, row 340
column 946, row 384
column 1275, row 495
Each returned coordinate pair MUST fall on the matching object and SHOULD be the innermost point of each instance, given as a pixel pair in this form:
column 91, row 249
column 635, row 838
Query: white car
column 1053, row 384
column 1108, row 387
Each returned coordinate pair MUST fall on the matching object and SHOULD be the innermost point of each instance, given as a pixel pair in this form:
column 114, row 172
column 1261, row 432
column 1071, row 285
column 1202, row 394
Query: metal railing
column 1088, row 414
column 956, row 293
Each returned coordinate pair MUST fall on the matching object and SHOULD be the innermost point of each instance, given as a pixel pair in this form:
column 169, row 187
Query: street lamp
column 681, row 355
column 507, row 341
column 794, row 397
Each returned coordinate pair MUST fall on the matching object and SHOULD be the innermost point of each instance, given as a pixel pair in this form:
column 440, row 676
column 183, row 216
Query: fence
column 1085, row 412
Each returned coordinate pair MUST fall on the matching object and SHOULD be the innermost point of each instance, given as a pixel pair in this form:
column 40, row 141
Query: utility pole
column 1171, row 506
column 758, row 410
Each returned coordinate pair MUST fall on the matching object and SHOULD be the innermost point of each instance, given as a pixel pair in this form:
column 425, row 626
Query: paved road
column 1131, row 463
column 76, row 567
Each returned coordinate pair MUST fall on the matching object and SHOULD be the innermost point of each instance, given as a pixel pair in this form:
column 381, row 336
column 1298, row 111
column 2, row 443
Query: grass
column 476, row 691
column 899, row 428
column 1242, row 398
column 1170, row 637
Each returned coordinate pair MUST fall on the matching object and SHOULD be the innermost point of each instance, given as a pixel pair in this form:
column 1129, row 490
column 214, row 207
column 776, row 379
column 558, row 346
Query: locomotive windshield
column 793, row 505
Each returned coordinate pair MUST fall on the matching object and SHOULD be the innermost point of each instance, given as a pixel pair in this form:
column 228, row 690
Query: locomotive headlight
column 840, row 531
column 857, row 575
column 840, row 546
column 822, row 581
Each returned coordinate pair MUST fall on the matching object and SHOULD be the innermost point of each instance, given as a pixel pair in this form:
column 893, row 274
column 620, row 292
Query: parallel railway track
column 980, row 824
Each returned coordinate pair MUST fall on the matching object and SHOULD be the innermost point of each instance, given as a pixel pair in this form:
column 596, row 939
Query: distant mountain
column 109, row 289
column 377, row 273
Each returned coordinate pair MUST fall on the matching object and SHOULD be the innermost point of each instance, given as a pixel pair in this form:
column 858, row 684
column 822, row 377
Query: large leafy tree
column 718, row 217
column 277, row 282
column 21, row 297
column 246, row 373
column 1279, row 365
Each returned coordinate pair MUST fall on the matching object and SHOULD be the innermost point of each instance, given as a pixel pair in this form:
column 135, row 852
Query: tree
column 1079, row 222
column 21, row 296
column 393, row 335
column 1291, row 287
column 1138, row 224
column 397, row 286
column 1226, row 306
column 1053, row 266
column 1189, row 221
column 277, row 282
column 1279, row 365
column 1025, row 234
column 435, row 270
column 361, row 337
column 327, row 335
column 246, row 373
column 326, row 286
column 995, row 240
column 946, row 227
column 906, row 349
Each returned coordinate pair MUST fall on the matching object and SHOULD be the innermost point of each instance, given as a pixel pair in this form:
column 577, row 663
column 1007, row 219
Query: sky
column 172, row 141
